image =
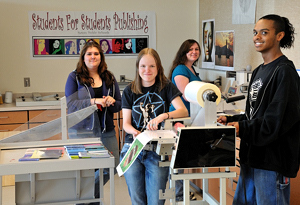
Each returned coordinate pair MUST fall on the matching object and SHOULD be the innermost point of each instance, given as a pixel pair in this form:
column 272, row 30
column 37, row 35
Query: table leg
column 222, row 191
column 77, row 184
column 32, row 187
column 112, row 186
column 186, row 191
column 101, row 177
column 1, row 190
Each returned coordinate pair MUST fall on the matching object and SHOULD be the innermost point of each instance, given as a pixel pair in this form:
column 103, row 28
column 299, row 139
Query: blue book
column 27, row 157
column 74, row 148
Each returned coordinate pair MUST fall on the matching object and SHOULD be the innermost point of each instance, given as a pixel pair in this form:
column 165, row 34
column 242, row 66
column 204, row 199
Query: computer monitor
column 201, row 147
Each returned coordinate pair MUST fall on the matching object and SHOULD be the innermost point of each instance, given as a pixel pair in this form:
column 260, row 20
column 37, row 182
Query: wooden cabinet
column 295, row 191
column 38, row 117
column 13, row 120
column 42, row 116
column 13, row 117
column 120, row 134
column 12, row 127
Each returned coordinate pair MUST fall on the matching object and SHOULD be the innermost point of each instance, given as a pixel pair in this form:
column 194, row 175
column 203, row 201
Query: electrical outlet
column 122, row 78
column 26, row 82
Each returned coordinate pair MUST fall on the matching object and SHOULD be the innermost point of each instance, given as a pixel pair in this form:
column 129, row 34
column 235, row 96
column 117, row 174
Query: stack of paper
column 47, row 154
column 92, row 155
column 94, row 147
column 42, row 153
column 73, row 150
column 86, row 151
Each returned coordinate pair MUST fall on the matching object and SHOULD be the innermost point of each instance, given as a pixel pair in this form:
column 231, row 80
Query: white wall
column 176, row 22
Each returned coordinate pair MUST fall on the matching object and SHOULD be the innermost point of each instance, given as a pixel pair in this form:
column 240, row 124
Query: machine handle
column 235, row 98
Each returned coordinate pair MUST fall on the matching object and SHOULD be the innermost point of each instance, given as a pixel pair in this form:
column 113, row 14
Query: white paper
column 194, row 92
column 134, row 150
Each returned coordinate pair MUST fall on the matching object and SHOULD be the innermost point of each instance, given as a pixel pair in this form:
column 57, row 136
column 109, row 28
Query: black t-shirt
column 99, row 94
column 148, row 105
column 259, row 81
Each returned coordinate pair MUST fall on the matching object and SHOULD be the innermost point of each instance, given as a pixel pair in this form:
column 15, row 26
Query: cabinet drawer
column 13, row 117
column 55, row 137
column 43, row 115
column 12, row 127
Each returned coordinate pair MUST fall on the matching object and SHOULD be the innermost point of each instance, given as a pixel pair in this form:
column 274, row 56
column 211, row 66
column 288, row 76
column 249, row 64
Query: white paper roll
column 8, row 97
column 194, row 92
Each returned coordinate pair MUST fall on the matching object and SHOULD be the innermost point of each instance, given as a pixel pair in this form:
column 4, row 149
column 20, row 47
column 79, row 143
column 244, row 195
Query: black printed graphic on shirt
column 254, row 89
column 147, row 107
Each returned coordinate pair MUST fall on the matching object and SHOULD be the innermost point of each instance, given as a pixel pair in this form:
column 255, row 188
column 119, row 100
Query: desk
column 9, row 165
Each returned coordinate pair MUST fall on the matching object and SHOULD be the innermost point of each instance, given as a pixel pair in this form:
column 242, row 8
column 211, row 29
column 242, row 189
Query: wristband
column 168, row 115
column 94, row 101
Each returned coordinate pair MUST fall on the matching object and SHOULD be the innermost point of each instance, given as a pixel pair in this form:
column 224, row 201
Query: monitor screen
column 200, row 147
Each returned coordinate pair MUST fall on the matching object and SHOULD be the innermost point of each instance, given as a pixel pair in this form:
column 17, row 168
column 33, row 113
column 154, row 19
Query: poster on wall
column 243, row 11
column 224, row 55
column 208, row 48
column 62, row 34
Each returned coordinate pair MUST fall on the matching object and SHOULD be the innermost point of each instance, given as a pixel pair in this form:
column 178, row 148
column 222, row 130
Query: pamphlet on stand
column 47, row 154
column 86, row 151
column 93, row 154
column 42, row 153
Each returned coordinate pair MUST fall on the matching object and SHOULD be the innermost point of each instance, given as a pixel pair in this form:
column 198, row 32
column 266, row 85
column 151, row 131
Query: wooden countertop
column 13, row 107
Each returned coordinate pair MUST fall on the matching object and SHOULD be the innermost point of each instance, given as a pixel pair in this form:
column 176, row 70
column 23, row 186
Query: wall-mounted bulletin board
column 61, row 34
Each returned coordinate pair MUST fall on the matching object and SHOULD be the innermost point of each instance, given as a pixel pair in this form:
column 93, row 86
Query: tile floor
column 121, row 193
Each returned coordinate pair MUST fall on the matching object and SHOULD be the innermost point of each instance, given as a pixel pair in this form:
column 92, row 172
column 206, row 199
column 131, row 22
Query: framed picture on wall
column 208, row 47
column 72, row 46
column 224, row 54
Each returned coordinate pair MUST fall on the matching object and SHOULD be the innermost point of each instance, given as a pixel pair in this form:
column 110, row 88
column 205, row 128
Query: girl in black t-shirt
column 145, row 104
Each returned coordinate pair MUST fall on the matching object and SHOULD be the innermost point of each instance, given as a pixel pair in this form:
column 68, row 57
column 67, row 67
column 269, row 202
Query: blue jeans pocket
column 283, row 182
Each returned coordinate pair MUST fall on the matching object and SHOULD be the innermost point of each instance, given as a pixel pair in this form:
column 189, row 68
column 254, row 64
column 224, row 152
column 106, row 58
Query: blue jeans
column 262, row 187
column 145, row 178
